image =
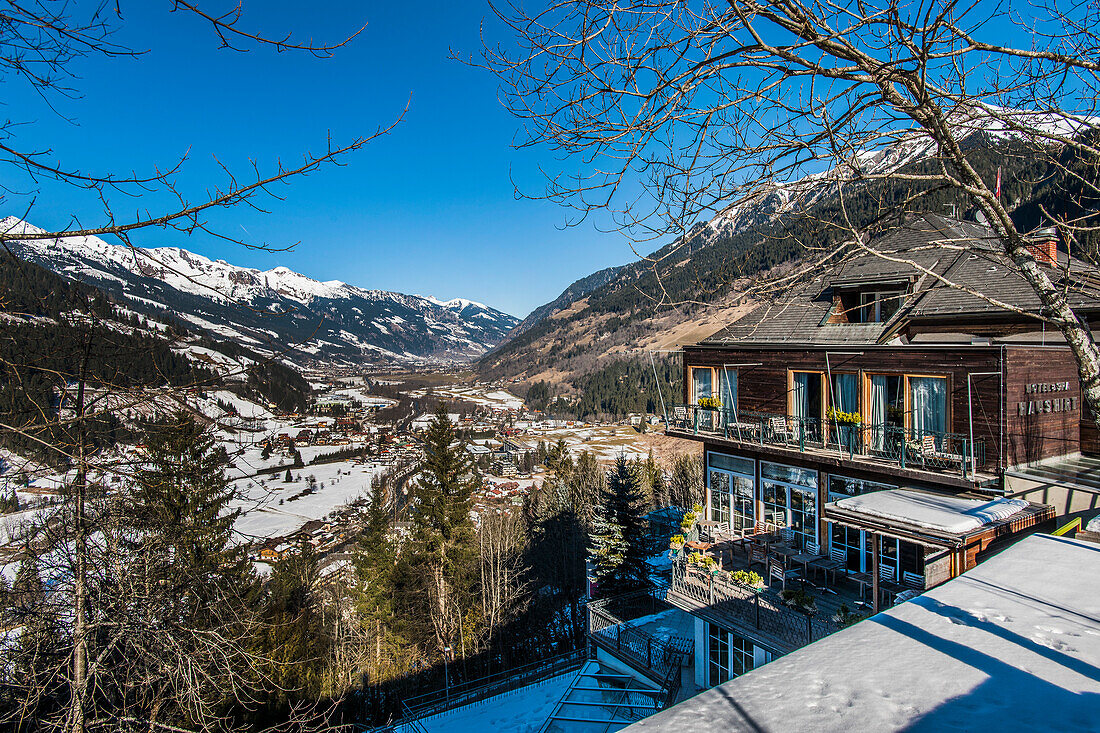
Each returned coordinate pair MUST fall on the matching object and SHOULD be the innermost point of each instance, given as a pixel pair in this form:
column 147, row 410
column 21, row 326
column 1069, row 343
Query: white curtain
column 701, row 381
column 878, row 412
column 928, row 402
column 844, row 392
column 727, row 378
column 800, row 392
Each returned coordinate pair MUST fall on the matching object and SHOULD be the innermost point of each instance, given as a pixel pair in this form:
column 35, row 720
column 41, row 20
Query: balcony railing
column 926, row 450
column 608, row 629
column 697, row 589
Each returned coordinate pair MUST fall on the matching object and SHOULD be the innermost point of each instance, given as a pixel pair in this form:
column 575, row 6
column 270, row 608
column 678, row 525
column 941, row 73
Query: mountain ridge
column 320, row 321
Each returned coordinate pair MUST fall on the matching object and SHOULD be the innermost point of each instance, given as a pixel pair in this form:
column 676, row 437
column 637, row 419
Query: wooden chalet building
column 871, row 416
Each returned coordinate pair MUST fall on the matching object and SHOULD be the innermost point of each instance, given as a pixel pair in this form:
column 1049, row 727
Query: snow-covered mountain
column 271, row 310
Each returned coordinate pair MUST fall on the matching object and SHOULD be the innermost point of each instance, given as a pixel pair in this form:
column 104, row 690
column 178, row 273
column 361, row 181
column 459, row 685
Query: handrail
column 747, row 605
column 1071, row 526
column 926, row 450
column 494, row 684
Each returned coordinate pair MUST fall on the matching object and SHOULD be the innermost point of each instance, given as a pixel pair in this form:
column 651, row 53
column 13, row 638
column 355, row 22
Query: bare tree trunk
column 80, row 571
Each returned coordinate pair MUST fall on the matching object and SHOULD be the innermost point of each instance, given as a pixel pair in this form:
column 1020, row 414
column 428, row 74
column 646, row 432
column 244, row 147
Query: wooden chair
column 929, row 452
column 887, row 572
column 777, row 427
column 778, row 571
column 912, row 580
column 758, row 553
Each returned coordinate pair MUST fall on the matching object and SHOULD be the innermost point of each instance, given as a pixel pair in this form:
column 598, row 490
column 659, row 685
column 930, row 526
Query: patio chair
column 929, row 452
column 778, row 429
column 912, row 580
column 887, row 572
column 758, row 553
column 778, row 571
column 680, row 417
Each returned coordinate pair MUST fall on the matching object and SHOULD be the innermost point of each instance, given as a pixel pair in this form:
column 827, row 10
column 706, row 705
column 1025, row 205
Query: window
column 742, row 655
column 789, row 496
column 841, row 487
column 731, row 484
column 915, row 405
column 701, row 383
column 845, row 395
column 928, row 405
column 718, row 382
column 879, row 306
column 806, row 389
column 727, row 388
column 728, row 655
column 718, row 655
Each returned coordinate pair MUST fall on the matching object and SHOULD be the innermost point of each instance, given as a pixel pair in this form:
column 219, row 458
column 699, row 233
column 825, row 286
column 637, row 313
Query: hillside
column 53, row 330
column 701, row 273
column 273, row 311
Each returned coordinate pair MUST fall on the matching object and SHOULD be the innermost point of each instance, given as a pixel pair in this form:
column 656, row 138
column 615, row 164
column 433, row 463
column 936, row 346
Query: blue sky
column 430, row 209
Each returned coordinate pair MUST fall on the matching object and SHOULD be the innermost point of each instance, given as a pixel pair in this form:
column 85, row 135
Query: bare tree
column 122, row 667
column 668, row 111
column 503, row 588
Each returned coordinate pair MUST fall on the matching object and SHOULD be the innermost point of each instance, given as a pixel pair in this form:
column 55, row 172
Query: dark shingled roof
column 965, row 253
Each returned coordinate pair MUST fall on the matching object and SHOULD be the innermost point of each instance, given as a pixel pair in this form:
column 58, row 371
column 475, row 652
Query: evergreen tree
column 444, row 552
column 294, row 640
column 619, row 532
column 38, row 652
column 189, row 612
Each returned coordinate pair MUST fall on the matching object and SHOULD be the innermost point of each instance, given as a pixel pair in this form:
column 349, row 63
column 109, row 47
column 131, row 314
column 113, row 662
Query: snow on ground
column 245, row 408
column 1012, row 645
column 605, row 442
column 500, row 399
column 265, row 517
column 671, row 627
column 523, row 710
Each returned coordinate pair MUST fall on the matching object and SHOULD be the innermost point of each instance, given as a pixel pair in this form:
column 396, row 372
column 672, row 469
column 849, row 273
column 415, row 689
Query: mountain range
column 613, row 316
column 272, row 311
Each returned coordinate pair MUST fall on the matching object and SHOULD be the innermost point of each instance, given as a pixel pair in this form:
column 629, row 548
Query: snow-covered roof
column 1012, row 645
column 936, row 512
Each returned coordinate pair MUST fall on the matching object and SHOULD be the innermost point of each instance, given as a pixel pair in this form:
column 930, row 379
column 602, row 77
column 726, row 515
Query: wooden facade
column 1023, row 403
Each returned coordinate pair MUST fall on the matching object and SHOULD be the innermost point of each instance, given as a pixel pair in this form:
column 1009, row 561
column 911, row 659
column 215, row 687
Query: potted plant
column 710, row 403
column 747, row 578
column 845, row 617
column 799, row 599
column 676, row 542
column 848, row 424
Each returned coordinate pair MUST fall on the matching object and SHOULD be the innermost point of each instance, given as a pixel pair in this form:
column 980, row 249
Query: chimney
column 1043, row 246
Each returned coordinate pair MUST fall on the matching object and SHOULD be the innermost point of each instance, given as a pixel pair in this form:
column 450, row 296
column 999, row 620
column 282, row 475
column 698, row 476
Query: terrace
column 759, row 611
column 894, row 447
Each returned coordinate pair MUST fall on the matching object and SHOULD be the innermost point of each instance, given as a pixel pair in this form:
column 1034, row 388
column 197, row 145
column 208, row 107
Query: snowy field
column 520, row 711
column 490, row 397
column 605, row 442
column 337, row 484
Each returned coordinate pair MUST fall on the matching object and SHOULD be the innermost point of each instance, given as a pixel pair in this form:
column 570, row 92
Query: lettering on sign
column 1039, row 407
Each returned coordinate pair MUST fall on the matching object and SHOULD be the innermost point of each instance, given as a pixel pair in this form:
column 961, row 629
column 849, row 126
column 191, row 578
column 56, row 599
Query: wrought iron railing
column 749, row 606
column 906, row 447
column 610, row 631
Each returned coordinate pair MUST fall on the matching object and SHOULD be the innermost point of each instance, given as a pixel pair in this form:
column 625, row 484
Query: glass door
column 806, row 404
column 731, row 498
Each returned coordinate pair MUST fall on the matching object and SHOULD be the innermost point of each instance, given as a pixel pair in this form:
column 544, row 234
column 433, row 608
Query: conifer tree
column 445, row 546
column 618, row 533
column 37, row 653
column 189, row 609
column 294, row 640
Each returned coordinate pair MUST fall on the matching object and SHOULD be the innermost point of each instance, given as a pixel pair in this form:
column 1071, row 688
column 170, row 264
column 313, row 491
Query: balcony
column 756, row 613
column 940, row 452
